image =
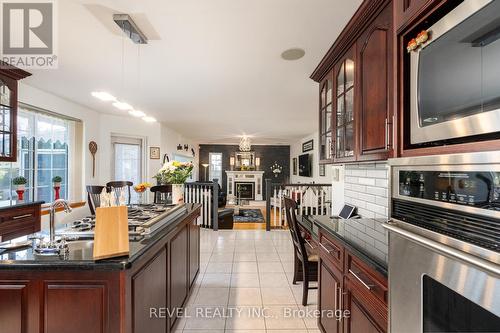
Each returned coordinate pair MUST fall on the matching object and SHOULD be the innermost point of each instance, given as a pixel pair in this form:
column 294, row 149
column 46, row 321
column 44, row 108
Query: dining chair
column 305, row 259
column 117, row 186
column 94, row 197
column 159, row 191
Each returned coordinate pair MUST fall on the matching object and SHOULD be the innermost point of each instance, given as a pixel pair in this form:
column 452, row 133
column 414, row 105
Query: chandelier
column 245, row 144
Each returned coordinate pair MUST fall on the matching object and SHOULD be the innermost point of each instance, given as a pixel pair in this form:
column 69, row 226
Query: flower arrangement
column 57, row 179
column 142, row 187
column 174, row 172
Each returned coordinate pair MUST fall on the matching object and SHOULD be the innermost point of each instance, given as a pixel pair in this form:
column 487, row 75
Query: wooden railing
column 206, row 193
column 312, row 199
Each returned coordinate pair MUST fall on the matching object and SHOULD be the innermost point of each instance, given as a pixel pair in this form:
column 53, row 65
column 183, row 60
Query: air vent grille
column 480, row 230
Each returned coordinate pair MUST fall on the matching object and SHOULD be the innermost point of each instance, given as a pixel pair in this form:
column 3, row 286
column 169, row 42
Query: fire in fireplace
column 245, row 190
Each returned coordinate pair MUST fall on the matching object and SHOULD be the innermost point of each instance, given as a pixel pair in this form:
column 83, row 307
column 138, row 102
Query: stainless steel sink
column 81, row 249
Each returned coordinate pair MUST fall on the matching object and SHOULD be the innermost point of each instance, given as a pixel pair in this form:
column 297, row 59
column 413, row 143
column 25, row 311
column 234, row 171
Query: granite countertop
column 364, row 237
column 10, row 204
column 81, row 259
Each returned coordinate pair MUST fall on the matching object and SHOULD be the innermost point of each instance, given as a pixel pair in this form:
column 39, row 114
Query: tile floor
column 245, row 286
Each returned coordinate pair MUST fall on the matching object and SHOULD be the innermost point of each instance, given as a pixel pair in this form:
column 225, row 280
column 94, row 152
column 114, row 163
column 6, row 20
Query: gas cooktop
column 142, row 220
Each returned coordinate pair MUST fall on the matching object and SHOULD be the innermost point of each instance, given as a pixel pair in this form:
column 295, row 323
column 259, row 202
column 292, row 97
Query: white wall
column 170, row 139
column 296, row 150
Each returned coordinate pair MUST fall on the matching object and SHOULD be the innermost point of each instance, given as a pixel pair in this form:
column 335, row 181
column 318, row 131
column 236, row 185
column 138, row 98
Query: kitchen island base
column 99, row 297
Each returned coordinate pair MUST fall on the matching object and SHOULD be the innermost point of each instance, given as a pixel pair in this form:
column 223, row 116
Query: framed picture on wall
column 308, row 146
column 294, row 166
column 322, row 170
column 154, row 153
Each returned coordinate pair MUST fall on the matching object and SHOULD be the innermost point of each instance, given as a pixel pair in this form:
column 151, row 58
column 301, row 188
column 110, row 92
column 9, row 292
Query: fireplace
column 247, row 178
column 245, row 190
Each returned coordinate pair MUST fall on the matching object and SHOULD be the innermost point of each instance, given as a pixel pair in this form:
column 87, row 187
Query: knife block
column 111, row 232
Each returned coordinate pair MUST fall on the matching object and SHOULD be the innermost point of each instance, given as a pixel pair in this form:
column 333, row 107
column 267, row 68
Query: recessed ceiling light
column 149, row 119
column 122, row 106
column 293, row 54
column 137, row 113
column 103, row 96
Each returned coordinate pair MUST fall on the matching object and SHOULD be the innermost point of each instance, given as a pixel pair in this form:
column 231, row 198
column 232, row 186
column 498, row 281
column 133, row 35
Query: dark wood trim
column 46, row 210
column 13, row 72
column 356, row 25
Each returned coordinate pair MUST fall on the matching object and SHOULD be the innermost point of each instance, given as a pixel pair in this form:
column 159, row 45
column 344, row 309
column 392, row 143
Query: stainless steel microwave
column 455, row 76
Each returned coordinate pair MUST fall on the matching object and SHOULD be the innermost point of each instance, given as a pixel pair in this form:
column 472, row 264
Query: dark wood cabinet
column 353, row 290
column 9, row 76
column 18, row 221
column 325, row 119
column 194, row 251
column 360, row 317
column 149, row 286
column 375, row 77
column 344, row 124
column 178, row 278
column 361, row 65
column 407, row 10
column 330, row 286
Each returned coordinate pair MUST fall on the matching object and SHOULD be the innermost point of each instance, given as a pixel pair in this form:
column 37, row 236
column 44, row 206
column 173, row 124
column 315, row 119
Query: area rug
column 249, row 215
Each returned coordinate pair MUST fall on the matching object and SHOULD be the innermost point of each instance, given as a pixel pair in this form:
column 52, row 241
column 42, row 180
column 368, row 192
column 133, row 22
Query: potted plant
column 20, row 183
column 56, row 180
column 175, row 173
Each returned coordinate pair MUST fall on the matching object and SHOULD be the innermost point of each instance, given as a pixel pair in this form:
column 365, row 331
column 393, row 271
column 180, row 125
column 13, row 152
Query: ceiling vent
column 131, row 30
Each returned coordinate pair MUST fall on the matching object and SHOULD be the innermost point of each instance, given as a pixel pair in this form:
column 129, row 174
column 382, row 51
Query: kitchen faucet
column 53, row 206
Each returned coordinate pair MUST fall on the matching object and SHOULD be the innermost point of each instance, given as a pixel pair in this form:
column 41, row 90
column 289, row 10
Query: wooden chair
column 93, row 197
column 158, row 191
column 117, row 186
column 306, row 259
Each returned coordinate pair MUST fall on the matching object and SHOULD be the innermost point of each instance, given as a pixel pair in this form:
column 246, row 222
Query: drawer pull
column 324, row 248
column 367, row 285
column 21, row 216
column 308, row 243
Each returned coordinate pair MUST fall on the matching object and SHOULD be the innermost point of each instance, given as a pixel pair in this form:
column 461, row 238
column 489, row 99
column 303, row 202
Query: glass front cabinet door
column 344, row 123
column 9, row 77
column 7, row 120
column 325, row 119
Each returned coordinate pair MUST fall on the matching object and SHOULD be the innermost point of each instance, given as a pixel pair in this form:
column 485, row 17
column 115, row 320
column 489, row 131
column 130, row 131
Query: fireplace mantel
column 254, row 177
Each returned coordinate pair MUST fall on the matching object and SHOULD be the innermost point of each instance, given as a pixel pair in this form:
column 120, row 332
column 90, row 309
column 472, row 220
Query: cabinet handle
column 21, row 216
column 324, row 248
column 312, row 247
column 367, row 285
column 386, row 133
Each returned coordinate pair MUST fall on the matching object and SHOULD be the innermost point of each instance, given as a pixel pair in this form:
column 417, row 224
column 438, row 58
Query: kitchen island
column 74, row 293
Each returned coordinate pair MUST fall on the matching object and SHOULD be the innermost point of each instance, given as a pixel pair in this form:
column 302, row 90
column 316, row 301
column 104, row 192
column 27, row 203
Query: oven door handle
column 446, row 250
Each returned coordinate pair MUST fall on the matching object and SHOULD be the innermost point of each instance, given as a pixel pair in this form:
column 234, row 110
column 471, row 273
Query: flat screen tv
column 305, row 165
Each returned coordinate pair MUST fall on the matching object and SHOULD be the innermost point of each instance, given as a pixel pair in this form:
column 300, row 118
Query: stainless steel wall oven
column 444, row 244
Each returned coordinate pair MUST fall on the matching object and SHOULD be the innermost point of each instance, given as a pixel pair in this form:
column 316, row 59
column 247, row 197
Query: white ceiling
column 212, row 69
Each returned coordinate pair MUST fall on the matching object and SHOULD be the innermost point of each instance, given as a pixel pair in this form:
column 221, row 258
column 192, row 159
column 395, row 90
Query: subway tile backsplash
column 366, row 187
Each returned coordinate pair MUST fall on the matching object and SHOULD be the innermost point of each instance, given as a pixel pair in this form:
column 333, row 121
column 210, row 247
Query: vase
column 57, row 190
column 20, row 194
column 140, row 198
column 177, row 194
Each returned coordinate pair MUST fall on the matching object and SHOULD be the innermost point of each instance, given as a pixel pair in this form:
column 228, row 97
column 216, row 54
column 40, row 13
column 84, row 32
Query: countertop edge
column 105, row 265
column 352, row 248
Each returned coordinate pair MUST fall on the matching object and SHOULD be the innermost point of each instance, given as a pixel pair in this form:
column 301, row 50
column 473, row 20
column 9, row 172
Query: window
column 127, row 160
column 43, row 152
column 215, row 171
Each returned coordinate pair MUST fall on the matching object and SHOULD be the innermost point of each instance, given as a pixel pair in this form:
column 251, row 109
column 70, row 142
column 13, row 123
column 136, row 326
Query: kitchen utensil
column 93, row 150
